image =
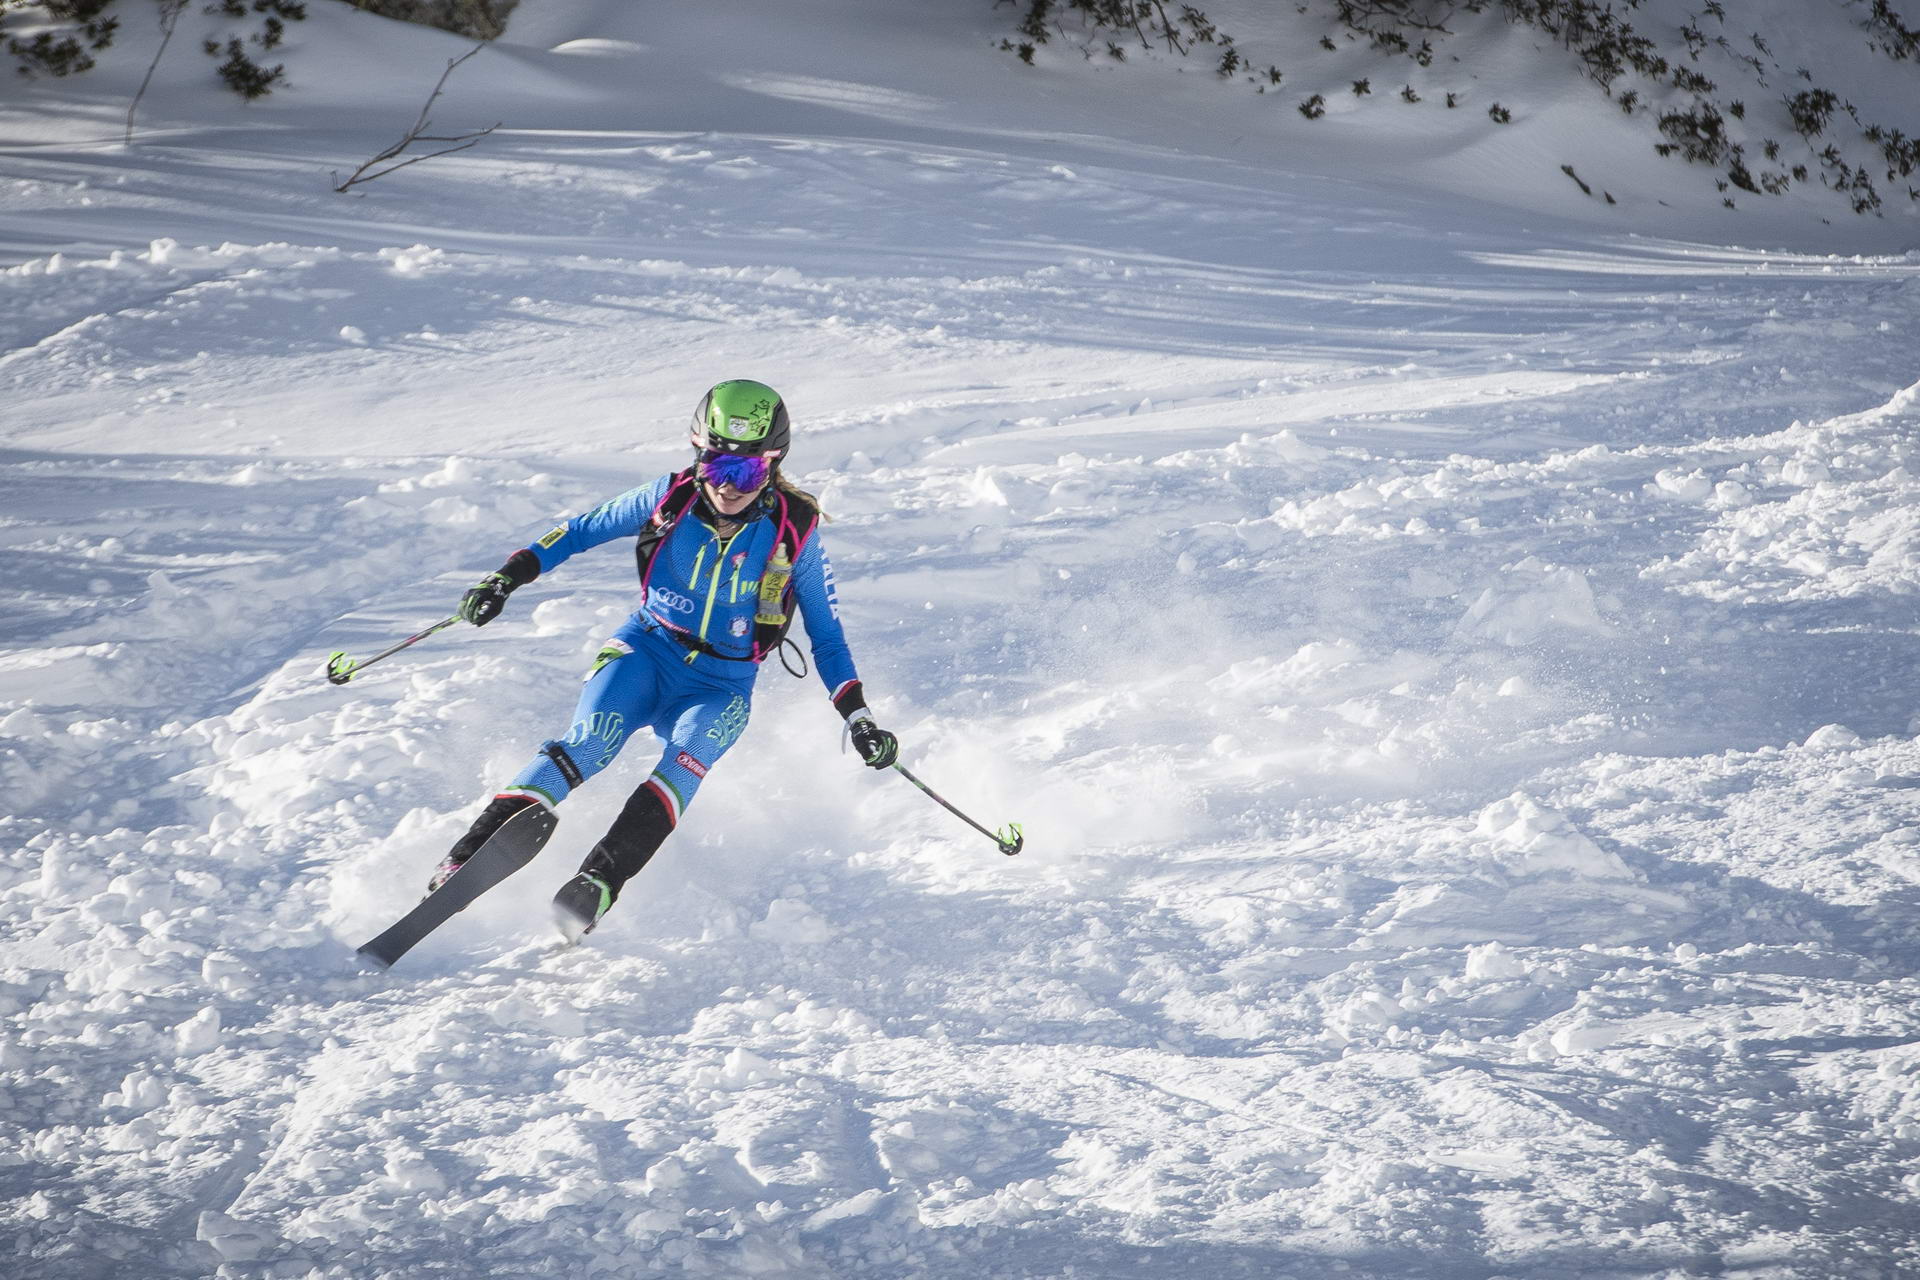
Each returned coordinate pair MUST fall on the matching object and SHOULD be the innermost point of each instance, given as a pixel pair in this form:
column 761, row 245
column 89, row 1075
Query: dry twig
column 418, row 134
column 170, row 11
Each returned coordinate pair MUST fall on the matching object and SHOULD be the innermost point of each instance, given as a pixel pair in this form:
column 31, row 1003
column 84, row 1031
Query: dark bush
column 241, row 73
column 84, row 27
column 70, row 52
column 1811, row 109
column 1699, row 135
column 1900, row 41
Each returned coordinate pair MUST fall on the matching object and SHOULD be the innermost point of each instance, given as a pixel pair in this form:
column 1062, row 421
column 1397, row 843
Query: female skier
column 726, row 548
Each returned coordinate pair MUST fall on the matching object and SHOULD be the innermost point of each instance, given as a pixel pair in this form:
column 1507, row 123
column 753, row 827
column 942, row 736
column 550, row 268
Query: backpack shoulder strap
column 795, row 519
column 673, row 504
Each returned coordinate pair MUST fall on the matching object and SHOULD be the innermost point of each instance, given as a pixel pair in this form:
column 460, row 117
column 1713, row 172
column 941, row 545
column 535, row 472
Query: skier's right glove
column 487, row 597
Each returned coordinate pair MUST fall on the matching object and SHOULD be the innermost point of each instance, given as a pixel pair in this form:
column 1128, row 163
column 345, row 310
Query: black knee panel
column 643, row 825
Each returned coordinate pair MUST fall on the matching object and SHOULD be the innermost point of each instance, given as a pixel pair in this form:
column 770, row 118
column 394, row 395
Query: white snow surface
column 1456, row 668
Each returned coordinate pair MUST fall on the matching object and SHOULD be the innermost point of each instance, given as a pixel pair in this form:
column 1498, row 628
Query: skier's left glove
column 875, row 745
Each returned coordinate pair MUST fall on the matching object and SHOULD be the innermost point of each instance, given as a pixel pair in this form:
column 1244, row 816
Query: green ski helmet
column 742, row 416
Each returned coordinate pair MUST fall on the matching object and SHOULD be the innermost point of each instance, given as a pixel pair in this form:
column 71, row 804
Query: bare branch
column 170, row 11
column 361, row 174
column 369, row 171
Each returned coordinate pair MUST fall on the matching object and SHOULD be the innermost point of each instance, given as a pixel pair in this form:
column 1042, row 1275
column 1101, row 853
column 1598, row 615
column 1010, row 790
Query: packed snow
column 1455, row 667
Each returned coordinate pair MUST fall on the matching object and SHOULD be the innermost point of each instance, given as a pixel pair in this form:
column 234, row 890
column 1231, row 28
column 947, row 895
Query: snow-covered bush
column 1664, row 48
column 61, row 36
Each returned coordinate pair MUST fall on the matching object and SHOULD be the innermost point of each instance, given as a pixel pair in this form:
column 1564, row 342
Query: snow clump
column 1532, row 601
column 1532, row 840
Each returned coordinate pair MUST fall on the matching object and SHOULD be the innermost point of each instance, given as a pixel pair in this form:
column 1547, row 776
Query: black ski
column 510, row 848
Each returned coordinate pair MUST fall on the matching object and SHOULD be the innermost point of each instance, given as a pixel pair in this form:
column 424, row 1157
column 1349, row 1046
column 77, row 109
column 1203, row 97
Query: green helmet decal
column 742, row 416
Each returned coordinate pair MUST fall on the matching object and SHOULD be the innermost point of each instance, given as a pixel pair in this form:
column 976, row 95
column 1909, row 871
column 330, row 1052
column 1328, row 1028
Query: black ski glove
column 875, row 745
column 486, row 598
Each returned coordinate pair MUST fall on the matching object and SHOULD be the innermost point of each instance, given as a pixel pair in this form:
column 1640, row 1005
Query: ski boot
column 580, row 904
column 491, row 818
column 443, row 873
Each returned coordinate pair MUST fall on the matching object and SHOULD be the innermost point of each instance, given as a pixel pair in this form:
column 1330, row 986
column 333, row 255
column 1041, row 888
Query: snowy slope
column 1457, row 679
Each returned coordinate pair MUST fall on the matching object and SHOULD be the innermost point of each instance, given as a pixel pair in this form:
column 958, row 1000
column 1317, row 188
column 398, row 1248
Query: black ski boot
column 640, row 829
column 498, row 810
column 580, row 904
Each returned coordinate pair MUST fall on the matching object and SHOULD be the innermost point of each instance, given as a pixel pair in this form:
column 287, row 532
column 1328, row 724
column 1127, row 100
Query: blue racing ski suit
column 684, row 663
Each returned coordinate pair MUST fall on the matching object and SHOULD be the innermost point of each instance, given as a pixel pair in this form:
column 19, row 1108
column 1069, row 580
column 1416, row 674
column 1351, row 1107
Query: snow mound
column 1534, row 840
column 1532, row 600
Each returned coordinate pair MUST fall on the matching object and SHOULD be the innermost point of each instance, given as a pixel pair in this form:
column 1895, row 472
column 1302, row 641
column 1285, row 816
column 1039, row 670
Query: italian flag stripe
column 668, row 796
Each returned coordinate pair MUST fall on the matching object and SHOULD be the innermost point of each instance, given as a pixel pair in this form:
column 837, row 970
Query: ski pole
column 1010, row 838
column 341, row 668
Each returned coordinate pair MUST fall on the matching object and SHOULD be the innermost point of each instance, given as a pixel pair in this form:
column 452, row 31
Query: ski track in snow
column 1458, row 683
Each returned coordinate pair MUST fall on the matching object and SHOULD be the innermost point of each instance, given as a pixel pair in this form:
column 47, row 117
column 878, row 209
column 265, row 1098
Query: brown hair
column 780, row 480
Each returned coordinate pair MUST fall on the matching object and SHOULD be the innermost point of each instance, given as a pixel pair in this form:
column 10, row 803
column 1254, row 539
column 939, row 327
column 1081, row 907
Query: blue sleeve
column 819, row 603
column 620, row 517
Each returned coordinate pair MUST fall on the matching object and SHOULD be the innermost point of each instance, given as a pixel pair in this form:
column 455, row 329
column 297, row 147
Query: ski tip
column 570, row 926
column 372, row 961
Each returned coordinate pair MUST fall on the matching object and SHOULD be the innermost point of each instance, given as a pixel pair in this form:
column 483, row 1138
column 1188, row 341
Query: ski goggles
column 746, row 472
